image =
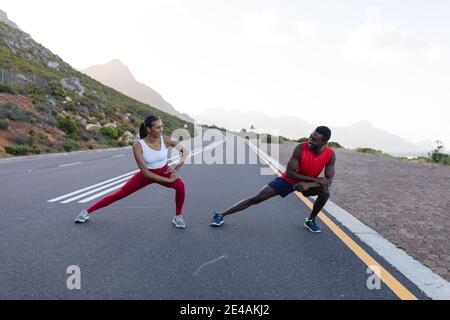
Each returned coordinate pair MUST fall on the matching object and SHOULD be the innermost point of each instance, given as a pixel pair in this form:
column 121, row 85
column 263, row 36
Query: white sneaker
column 178, row 221
column 82, row 217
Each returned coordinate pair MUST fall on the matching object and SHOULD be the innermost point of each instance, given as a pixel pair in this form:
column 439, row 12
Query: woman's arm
column 180, row 147
column 137, row 151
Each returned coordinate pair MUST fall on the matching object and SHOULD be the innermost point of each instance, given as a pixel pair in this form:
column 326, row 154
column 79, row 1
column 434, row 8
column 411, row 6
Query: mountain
column 4, row 19
column 48, row 106
column 361, row 134
column 235, row 120
column 116, row 74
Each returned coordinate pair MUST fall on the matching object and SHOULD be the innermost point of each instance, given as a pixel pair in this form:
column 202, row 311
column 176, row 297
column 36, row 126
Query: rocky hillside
column 47, row 106
column 4, row 19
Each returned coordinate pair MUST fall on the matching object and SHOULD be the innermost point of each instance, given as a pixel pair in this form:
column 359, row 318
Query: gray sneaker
column 82, row 217
column 178, row 221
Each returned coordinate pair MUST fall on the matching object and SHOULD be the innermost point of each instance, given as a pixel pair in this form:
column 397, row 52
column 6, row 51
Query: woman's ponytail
column 143, row 131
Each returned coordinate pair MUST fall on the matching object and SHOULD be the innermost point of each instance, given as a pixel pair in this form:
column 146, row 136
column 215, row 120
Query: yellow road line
column 400, row 290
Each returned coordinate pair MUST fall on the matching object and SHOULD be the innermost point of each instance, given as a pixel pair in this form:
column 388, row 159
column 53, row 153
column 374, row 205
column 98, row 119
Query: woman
column 150, row 153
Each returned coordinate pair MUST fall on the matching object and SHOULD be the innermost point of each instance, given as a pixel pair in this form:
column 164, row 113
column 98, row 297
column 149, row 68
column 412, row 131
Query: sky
column 329, row 62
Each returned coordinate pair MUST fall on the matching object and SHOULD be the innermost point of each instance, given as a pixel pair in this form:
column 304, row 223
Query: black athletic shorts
column 281, row 186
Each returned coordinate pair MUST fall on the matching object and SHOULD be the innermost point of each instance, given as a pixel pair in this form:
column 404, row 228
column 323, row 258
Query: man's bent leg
column 322, row 197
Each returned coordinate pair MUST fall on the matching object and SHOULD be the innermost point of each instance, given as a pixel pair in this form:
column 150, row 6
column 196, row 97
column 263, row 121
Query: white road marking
column 69, row 164
column 90, row 187
column 97, row 195
column 95, row 190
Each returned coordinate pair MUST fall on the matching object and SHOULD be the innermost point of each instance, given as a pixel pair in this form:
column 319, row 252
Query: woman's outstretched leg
column 137, row 182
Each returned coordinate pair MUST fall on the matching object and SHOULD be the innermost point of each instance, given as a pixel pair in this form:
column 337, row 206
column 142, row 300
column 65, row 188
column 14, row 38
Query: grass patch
column 370, row 151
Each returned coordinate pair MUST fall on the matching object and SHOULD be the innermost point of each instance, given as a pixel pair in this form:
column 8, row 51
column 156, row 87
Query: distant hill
column 116, row 74
column 361, row 134
column 47, row 106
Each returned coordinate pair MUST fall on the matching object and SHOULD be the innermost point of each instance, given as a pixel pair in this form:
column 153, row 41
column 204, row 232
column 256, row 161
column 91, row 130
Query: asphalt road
column 131, row 250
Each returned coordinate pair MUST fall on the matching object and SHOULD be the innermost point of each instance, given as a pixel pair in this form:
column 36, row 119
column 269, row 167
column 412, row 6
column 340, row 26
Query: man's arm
column 292, row 166
column 322, row 183
column 329, row 169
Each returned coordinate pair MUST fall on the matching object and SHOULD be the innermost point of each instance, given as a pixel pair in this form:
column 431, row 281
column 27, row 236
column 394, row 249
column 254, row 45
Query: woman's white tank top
column 154, row 159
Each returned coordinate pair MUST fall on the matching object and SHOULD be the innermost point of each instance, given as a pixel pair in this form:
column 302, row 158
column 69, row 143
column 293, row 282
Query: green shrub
column 36, row 98
column 85, row 101
column 45, row 106
column 69, row 106
column 37, row 95
column 110, row 132
column 370, row 151
column 7, row 89
column 85, row 137
column 334, row 145
column 12, row 111
column 98, row 115
column 56, row 89
column 18, row 150
column 66, row 124
column 301, row 140
column 112, row 143
column 4, row 124
column 71, row 145
column 33, row 120
column 437, row 156
column 125, row 127
column 36, row 150
column 43, row 136
column 104, row 145
column 445, row 160
column 122, row 144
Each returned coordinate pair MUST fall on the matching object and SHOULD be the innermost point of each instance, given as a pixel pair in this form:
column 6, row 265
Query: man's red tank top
column 310, row 164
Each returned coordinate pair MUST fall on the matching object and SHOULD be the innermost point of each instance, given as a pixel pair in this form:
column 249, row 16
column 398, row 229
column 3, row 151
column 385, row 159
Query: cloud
column 268, row 28
column 377, row 42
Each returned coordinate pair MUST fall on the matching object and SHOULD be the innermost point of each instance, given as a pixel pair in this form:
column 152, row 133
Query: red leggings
column 139, row 181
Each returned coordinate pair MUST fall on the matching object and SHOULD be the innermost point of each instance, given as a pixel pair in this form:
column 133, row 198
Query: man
column 302, row 174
